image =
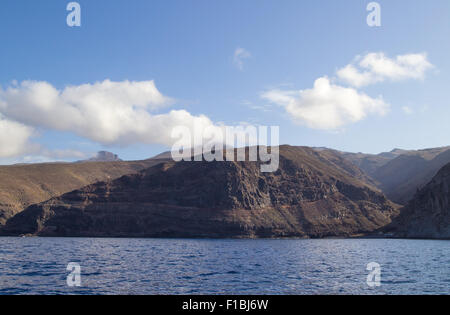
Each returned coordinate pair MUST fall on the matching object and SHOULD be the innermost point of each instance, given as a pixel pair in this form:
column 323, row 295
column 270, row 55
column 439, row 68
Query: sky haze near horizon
column 135, row 69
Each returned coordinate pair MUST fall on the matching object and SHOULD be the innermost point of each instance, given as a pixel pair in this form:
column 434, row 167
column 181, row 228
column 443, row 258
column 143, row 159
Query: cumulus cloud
column 105, row 112
column 327, row 106
column 240, row 54
column 14, row 138
column 407, row 110
column 377, row 67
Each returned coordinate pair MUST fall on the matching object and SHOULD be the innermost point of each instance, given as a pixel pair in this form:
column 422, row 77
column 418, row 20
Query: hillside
column 428, row 214
column 23, row 185
column 309, row 196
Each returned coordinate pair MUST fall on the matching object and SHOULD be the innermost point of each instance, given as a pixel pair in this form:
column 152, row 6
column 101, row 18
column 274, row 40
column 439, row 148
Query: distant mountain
column 400, row 173
column 401, row 177
column 369, row 163
column 313, row 194
column 23, row 185
column 427, row 215
column 104, row 156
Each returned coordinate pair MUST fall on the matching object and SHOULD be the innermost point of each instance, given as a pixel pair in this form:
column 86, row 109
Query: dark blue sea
column 186, row 266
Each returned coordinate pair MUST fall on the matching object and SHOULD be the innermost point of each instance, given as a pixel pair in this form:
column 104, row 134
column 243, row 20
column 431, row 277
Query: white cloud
column 14, row 138
column 376, row 67
column 327, row 106
column 239, row 55
column 105, row 112
column 407, row 110
column 330, row 106
column 352, row 76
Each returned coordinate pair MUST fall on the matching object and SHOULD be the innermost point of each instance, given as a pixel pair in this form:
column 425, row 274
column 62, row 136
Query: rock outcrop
column 311, row 195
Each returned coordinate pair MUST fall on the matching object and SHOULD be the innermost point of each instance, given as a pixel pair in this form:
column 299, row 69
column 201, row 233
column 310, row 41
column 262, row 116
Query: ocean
column 191, row 266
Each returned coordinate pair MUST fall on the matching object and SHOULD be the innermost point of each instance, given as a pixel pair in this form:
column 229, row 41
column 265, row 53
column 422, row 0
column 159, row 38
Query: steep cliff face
column 428, row 214
column 309, row 196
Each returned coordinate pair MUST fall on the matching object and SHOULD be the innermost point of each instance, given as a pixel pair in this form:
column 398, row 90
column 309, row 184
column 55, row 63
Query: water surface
column 185, row 266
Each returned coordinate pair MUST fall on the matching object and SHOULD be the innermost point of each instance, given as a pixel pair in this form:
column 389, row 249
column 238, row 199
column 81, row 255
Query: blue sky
column 188, row 47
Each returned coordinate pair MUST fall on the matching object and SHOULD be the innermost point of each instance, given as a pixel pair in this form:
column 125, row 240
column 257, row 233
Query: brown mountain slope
column 23, row 185
column 428, row 214
column 307, row 197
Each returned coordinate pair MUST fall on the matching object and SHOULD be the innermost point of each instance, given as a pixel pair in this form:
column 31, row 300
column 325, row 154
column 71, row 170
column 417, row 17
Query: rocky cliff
column 311, row 195
column 428, row 214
